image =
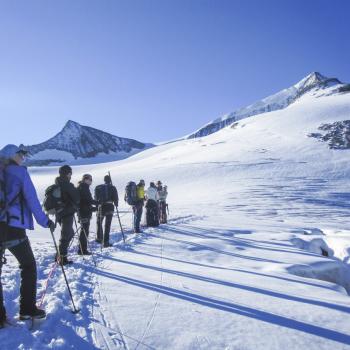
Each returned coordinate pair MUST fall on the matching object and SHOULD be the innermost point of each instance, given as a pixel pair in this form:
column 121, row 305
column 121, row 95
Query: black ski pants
column 67, row 233
column 103, row 236
column 25, row 257
column 84, row 234
column 137, row 209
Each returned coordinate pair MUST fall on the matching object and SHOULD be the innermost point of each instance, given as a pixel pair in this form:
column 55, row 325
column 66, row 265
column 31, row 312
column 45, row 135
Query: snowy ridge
column 271, row 103
column 80, row 144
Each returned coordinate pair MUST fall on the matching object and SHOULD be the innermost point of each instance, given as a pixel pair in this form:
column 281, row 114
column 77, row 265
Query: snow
column 78, row 144
column 63, row 157
column 278, row 101
column 238, row 266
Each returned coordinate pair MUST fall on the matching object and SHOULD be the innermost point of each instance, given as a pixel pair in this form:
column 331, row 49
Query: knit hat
column 64, row 170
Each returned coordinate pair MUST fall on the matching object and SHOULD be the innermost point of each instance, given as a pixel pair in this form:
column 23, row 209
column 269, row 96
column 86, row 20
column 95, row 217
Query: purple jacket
column 22, row 199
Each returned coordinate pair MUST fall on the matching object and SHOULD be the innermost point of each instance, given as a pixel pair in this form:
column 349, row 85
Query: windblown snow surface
column 242, row 263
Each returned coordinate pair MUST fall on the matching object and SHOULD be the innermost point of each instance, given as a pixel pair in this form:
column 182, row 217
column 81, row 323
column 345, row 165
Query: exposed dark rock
column 337, row 134
column 82, row 142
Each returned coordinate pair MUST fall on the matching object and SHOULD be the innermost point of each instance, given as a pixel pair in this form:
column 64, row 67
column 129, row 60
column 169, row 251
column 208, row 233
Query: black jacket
column 87, row 203
column 107, row 206
column 70, row 196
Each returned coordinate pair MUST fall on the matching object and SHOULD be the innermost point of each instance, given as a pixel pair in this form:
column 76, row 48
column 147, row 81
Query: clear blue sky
column 157, row 70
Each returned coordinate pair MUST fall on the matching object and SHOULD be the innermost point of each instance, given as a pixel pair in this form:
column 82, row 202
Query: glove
column 51, row 225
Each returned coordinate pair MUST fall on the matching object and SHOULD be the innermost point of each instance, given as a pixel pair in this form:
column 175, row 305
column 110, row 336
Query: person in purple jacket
column 22, row 204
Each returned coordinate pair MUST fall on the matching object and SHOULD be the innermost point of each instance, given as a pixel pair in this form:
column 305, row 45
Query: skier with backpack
column 62, row 199
column 19, row 203
column 135, row 196
column 152, row 218
column 86, row 207
column 106, row 196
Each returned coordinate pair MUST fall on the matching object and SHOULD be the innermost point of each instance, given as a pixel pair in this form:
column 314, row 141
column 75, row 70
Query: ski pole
column 47, row 283
column 121, row 227
column 75, row 310
column 80, row 247
column 120, row 224
column 87, row 241
column 99, row 225
column 72, row 240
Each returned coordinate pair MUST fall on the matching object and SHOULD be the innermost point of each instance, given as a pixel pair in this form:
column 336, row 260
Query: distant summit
column 280, row 100
column 80, row 144
column 315, row 80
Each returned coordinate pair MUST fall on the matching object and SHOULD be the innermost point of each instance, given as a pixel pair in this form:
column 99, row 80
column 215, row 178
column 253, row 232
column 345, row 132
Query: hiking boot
column 107, row 245
column 63, row 260
column 35, row 314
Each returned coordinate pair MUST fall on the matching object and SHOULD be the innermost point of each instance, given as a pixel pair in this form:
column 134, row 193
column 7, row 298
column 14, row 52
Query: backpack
column 4, row 204
column 103, row 193
column 53, row 203
column 2, row 191
column 131, row 193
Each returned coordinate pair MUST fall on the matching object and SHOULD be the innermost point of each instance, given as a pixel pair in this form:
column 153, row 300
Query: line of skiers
column 19, row 203
column 154, row 200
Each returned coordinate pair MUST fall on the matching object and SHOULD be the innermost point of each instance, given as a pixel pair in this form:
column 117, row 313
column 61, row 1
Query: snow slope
column 233, row 268
column 278, row 101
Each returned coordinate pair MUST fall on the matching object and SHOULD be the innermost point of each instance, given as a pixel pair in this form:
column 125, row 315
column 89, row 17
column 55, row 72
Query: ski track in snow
column 106, row 337
column 157, row 297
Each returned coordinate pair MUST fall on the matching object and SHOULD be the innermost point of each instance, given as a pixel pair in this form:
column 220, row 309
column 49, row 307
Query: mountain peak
column 71, row 123
column 314, row 79
column 79, row 142
column 72, row 128
column 316, row 76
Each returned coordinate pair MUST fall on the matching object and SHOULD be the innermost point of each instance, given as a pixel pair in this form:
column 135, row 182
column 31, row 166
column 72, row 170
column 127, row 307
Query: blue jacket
column 22, row 199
